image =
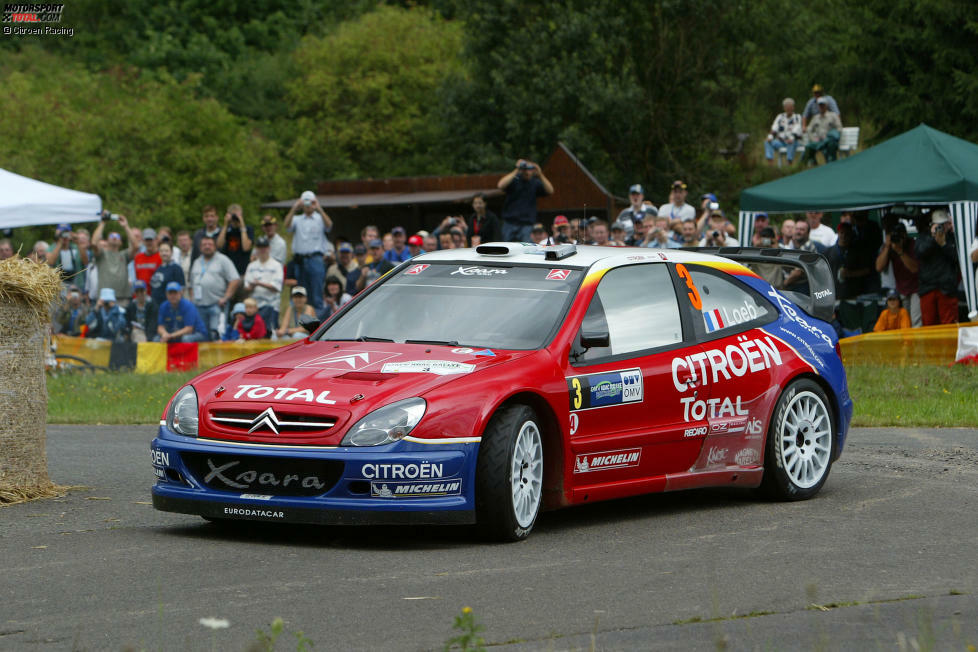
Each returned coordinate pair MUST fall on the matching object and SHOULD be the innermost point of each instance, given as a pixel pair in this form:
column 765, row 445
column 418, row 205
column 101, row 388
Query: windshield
column 498, row 306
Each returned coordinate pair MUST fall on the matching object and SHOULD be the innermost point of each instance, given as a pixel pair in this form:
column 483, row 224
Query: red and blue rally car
column 481, row 385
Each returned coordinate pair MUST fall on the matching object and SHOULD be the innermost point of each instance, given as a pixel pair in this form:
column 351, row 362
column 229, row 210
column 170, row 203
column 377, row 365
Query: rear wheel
column 509, row 474
column 800, row 442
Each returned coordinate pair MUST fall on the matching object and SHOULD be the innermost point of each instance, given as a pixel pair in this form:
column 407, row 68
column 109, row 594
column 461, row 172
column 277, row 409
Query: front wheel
column 509, row 474
column 800, row 441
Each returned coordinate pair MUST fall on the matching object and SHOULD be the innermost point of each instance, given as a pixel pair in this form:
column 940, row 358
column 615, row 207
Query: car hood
column 334, row 383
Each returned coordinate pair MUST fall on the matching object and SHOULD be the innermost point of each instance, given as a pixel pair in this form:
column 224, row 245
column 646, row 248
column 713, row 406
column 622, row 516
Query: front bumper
column 403, row 482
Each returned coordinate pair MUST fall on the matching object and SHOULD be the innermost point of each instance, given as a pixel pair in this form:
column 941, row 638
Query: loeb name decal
column 284, row 394
column 605, row 389
column 607, row 460
column 415, row 489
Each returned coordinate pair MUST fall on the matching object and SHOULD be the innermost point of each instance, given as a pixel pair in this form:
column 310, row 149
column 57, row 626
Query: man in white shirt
column 677, row 208
column 277, row 247
column 263, row 280
column 785, row 132
column 820, row 233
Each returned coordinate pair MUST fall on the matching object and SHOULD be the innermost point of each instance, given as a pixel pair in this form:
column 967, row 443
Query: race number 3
column 576, row 397
column 693, row 294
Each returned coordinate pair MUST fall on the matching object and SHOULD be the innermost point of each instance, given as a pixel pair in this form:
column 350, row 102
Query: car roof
column 584, row 256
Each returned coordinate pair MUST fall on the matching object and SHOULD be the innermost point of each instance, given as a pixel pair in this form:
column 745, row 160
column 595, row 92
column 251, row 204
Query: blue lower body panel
column 397, row 483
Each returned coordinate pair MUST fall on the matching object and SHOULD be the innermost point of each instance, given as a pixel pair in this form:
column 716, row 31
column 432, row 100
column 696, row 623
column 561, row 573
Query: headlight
column 182, row 415
column 387, row 424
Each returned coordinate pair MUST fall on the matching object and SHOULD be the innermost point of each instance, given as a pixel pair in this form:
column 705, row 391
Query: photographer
column 657, row 234
column 522, row 187
column 562, row 231
column 111, row 260
column 107, row 320
column 938, row 272
column 235, row 239
column 898, row 251
column 770, row 272
column 67, row 257
column 716, row 232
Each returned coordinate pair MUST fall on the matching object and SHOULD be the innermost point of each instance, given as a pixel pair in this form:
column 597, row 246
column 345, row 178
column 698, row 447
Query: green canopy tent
column 920, row 166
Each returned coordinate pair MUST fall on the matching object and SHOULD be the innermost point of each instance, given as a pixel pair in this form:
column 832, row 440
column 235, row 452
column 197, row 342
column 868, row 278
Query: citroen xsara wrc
column 483, row 385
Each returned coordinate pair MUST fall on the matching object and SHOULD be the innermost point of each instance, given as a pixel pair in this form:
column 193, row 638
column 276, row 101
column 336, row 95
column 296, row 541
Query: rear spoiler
column 820, row 303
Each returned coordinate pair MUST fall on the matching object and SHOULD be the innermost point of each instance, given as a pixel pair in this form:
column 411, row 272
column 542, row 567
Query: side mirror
column 595, row 339
column 310, row 323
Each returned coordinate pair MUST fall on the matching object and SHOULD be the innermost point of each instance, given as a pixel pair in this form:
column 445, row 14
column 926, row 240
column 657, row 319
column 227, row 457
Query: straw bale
column 27, row 290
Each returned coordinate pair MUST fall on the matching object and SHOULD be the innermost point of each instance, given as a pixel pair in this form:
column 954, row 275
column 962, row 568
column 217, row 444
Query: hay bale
column 27, row 291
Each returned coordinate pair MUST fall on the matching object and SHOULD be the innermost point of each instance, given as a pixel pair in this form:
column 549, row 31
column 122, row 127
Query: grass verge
column 922, row 396
column 123, row 398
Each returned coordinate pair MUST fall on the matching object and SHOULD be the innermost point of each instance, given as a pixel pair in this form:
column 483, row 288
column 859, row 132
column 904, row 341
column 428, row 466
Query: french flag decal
column 714, row 321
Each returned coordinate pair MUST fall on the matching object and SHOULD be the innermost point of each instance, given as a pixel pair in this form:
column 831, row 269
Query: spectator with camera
column 141, row 314
column 67, row 257
column 263, row 281
column 938, row 275
column 310, row 225
column 658, row 235
column 562, row 231
column 853, row 262
column 178, row 319
column 236, row 239
column 70, row 317
column 213, row 282
column 111, row 260
column 897, row 254
column 522, row 187
column 107, row 319
column 770, row 272
column 716, row 232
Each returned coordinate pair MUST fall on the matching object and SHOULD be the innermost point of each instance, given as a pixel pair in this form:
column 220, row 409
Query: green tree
column 365, row 101
column 150, row 148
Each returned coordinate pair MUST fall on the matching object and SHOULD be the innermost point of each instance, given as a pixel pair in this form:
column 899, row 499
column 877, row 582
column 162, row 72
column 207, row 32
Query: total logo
column 284, row 394
column 479, row 271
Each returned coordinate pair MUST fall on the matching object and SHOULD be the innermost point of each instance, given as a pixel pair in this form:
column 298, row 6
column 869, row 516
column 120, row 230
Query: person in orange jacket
column 894, row 317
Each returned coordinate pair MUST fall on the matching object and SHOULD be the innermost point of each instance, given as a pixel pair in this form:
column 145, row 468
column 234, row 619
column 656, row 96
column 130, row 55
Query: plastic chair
column 848, row 141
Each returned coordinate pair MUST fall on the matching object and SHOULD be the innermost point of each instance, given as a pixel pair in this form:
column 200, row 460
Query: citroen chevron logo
column 266, row 419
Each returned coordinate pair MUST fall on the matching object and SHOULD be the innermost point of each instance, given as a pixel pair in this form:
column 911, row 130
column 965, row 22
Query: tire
column 509, row 475
column 800, row 443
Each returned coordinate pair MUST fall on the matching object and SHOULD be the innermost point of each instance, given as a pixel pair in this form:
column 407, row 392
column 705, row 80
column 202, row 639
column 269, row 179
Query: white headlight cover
column 182, row 417
column 387, row 424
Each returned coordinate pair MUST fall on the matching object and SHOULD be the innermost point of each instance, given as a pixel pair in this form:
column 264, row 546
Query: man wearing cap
column 938, row 276
column 811, row 107
column 147, row 260
column 636, row 212
column 166, row 273
column 107, row 320
column 823, row 134
column 716, row 232
column 677, row 209
column 562, row 232
column 179, row 320
column 213, row 282
column 399, row 252
column 415, row 245
column 894, row 317
column 785, row 132
column 277, row 247
column 360, row 257
column 65, row 255
column 141, row 314
column 235, row 238
column 310, row 225
column 658, row 235
column 112, row 261
column 344, row 264
column 483, row 222
column 374, row 270
column 263, row 281
column 539, row 235
column 522, row 187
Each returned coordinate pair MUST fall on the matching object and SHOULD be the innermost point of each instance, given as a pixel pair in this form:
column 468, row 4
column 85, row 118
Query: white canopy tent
column 28, row 202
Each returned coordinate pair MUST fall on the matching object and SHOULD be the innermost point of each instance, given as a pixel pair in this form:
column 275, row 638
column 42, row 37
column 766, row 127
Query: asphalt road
column 885, row 557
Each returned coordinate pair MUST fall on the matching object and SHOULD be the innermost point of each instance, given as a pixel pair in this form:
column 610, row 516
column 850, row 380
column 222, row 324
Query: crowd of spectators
column 225, row 282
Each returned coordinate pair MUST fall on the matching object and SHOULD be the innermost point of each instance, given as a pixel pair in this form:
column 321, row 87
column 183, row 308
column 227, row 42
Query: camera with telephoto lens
column 940, row 228
column 715, row 235
column 560, row 238
column 714, row 205
column 106, row 216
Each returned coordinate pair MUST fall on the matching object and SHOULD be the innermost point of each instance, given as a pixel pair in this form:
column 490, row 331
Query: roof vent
column 499, row 249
